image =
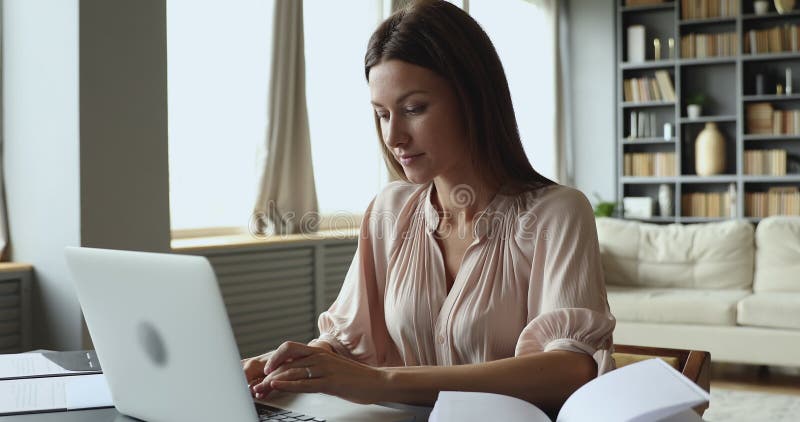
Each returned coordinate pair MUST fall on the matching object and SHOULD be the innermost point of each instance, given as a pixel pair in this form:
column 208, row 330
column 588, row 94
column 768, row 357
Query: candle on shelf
column 657, row 49
column 671, row 44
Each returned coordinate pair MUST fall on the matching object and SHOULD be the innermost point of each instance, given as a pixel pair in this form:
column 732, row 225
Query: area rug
column 748, row 406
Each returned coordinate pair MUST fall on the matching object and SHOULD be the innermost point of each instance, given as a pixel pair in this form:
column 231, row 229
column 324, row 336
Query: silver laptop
column 163, row 338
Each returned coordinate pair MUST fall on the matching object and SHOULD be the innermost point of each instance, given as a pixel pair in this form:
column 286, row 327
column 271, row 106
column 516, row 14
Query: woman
column 474, row 273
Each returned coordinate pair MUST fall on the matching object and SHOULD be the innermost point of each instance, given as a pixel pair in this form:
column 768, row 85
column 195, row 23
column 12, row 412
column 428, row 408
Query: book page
column 649, row 390
column 459, row 406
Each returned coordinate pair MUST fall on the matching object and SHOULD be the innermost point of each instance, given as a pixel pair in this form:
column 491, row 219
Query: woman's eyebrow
column 403, row 97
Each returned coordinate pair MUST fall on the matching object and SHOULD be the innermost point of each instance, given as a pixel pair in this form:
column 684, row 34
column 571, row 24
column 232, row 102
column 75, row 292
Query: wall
column 41, row 147
column 123, row 125
column 85, row 141
column 592, row 58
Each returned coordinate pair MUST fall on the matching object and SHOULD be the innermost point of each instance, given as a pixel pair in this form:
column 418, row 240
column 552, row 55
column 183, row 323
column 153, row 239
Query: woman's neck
column 461, row 200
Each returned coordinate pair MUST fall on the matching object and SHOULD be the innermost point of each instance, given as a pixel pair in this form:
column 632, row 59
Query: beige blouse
column 532, row 281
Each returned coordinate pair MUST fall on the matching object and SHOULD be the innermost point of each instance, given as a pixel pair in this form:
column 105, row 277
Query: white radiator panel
column 274, row 293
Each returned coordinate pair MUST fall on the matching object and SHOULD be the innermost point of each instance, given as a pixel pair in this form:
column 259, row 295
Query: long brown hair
column 439, row 36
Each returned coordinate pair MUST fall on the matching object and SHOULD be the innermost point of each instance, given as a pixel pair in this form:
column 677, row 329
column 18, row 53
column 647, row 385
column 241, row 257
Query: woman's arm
column 545, row 379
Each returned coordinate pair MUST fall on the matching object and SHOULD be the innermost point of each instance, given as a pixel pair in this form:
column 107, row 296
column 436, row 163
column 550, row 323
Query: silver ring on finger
column 308, row 371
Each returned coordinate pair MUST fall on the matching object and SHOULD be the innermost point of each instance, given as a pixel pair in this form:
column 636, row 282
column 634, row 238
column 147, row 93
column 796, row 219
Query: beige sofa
column 722, row 287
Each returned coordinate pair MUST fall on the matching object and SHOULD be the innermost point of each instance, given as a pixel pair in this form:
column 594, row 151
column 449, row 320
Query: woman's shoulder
column 557, row 201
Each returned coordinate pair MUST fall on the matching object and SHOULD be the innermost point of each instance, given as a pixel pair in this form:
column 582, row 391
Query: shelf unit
column 727, row 82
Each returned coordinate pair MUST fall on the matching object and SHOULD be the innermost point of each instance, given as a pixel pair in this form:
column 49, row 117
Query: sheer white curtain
column 3, row 222
column 286, row 201
column 526, row 36
column 4, row 238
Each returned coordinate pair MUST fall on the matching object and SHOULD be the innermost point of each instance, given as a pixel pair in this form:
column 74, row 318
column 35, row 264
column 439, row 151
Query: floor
column 776, row 380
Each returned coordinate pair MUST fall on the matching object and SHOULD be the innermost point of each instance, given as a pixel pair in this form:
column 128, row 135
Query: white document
column 54, row 393
column 87, row 391
column 22, row 365
column 645, row 391
column 28, row 365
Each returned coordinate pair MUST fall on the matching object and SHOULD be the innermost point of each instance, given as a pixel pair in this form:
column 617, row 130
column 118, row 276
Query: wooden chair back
column 693, row 364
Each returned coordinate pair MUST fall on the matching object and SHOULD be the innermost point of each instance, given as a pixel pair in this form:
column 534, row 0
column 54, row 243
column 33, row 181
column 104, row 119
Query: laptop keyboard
column 273, row 414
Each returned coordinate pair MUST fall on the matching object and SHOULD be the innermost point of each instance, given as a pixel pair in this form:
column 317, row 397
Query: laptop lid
column 162, row 335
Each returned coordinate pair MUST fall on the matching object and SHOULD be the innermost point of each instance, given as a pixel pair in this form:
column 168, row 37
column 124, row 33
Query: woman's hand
column 297, row 368
column 254, row 368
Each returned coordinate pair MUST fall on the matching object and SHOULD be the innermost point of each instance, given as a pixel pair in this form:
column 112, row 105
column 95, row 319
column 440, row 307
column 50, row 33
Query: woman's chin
column 418, row 178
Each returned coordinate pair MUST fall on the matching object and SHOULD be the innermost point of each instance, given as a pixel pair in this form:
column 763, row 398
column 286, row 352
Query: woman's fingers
column 306, row 368
column 288, row 351
column 294, row 374
column 254, row 367
column 300, row 386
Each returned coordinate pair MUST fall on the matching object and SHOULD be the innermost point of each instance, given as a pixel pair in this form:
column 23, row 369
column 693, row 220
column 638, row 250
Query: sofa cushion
column 699, row 256
column 777, row 255
column 771, row 309
column 679, row 306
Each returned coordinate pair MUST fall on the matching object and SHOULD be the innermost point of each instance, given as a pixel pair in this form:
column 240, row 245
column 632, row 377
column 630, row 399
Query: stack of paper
column 51, row 381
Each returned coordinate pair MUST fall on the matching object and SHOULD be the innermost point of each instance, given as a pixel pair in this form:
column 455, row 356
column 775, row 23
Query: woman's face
column 420, row 120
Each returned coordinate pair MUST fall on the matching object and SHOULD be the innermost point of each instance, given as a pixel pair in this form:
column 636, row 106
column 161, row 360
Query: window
column 348, row 167
column 524, row 41
column 218, row 78
column 218, row 60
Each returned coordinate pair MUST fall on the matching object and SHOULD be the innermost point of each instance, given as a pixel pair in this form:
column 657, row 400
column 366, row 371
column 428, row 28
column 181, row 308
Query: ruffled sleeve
column 567, row 304
column 355, row 324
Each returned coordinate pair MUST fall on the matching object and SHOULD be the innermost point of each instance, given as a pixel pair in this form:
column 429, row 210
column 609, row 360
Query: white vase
column 693, row 111
column 709, row 151
column 784, row 6
column 665, row 205
column 760, row 7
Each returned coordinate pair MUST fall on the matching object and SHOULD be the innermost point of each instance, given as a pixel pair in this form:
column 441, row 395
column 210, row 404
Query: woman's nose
column 394, row 132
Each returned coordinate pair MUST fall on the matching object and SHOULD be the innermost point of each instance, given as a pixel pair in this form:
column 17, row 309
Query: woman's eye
column 382, row 116
column 415, row 109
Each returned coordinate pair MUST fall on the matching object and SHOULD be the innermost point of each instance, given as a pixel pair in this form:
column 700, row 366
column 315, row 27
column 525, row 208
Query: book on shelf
column 770, row 162
column 649, row 390
column 709, row 45
column 703, row 9
column 665, row 85
column 646, row 164
column 706, row 204
column 777, row 39
column 642, row 2
column 778, row 200
column 658, row 88
column 764, row 119
column 643, row 125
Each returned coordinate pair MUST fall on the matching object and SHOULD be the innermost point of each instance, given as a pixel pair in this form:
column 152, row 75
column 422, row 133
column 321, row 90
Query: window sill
column 331, row 227
column 14, row 267
column 198, row 244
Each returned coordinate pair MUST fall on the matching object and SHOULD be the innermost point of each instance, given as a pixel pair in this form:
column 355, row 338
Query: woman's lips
column 409, row 158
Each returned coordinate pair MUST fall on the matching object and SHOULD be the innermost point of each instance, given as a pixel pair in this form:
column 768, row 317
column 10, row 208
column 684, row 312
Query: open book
column 649, row 390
